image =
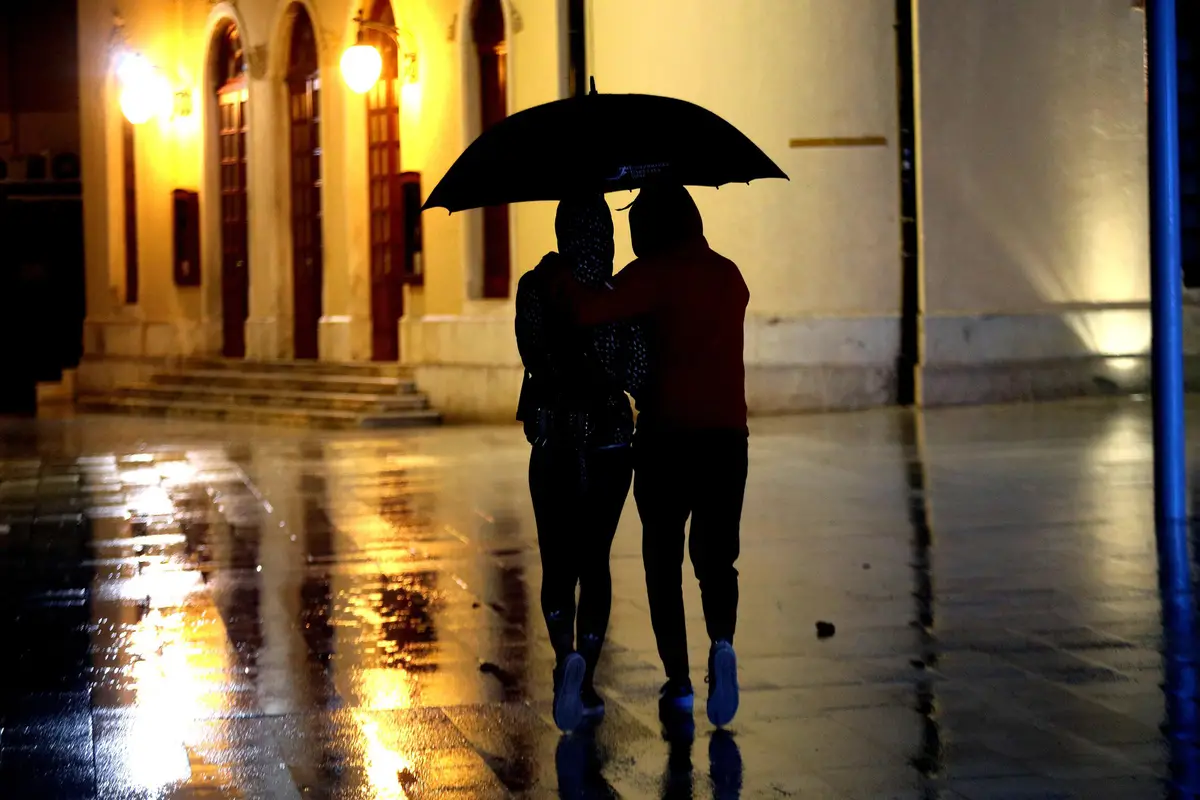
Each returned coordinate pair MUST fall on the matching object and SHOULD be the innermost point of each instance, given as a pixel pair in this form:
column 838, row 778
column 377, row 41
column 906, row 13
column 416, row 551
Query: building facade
column 1025, row 275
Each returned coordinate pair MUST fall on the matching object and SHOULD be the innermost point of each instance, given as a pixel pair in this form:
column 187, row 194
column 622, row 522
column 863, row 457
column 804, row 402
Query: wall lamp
column 362, row 64
column 145, row 92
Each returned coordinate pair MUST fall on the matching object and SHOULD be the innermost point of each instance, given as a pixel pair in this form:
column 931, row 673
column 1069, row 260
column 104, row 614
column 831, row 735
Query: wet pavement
column 220, row 612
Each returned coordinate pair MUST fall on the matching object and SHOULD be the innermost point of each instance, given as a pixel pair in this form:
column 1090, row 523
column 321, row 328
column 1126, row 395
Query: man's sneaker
column 568, row 680
column 722, row 684
column 593, row 703
column 676, row 697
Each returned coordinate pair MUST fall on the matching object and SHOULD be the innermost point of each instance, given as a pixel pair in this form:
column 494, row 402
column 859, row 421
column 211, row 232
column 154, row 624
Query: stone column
column 269, row 328
column 345, row 328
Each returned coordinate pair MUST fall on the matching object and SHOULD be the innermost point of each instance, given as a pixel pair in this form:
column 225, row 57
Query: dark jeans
column 701, row 474
column 577, row 515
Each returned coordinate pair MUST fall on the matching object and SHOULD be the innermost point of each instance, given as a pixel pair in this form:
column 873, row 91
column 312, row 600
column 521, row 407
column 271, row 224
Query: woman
column 579, row 421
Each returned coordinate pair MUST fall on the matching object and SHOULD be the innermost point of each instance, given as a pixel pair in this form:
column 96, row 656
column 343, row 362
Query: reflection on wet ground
column 219, row 612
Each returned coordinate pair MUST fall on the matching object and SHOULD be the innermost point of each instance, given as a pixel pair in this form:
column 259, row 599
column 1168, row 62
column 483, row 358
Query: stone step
column 376, row 369
column 279, row 398
column 288, row 381
column 262, row 415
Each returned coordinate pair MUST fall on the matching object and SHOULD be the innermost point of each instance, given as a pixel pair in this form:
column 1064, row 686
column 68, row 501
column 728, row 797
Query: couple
column 668, row 330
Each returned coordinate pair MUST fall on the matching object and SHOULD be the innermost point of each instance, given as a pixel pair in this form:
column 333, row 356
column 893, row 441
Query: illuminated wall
column 1033, row 179
column 825, row 242
column 819, row 253
column 1032, row 160
column 178, row 152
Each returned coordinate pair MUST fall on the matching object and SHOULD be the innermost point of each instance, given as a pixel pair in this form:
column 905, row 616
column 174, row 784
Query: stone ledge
column 463, row 393
column 488, row 393
column 104, row 373
column 59, row 392
column 126, row 338
column 1056, row 334
column 818, row 387
column 1030, row 381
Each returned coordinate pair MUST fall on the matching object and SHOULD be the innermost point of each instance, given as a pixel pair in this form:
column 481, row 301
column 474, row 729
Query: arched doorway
column 304, row 89
column 385, row 193
column 229, row 85
column 491, row 52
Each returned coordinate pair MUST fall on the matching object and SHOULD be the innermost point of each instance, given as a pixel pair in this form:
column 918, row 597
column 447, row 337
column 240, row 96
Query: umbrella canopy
column 599, row 143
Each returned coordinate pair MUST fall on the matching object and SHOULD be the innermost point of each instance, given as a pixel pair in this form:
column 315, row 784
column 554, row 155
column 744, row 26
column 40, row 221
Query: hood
column 584, row 228
column 662, row 218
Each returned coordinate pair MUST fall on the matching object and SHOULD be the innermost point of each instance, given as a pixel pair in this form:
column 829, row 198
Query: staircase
column 296, row 393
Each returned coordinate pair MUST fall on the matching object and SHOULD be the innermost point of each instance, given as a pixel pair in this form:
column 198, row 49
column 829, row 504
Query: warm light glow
column 156, row 755
column 177, row 472
column 1127, row 364
column 145, row 91
column 361, row 65
column 383, row 764
column 1114, row 332
column 410, row 99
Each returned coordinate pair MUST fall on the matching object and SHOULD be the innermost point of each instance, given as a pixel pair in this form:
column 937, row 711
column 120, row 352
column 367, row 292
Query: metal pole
column 1181, row 687
column 1166, row 304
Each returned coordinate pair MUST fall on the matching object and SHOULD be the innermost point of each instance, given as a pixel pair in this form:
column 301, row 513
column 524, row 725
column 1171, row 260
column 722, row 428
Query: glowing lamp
column 361, row 66
column 145, row 91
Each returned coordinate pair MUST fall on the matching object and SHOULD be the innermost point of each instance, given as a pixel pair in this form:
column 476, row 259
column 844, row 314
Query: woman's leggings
column 577, row 511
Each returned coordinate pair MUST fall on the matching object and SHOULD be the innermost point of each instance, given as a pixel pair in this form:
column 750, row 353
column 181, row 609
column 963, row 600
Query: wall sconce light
column 145, row 92
column 183, row 103
column 362, row 64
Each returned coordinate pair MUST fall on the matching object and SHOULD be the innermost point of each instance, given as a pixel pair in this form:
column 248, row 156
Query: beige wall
column 1033, row 175
column 1032, row 158
column 167, row 159
column 819, row 253
column 826, row 242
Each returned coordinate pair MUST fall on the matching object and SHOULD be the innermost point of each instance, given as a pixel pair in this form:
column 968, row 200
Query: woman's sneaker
column 593, row 703
column 722, row 684
column 590, row 645
column 568, row 681
column 676, row 697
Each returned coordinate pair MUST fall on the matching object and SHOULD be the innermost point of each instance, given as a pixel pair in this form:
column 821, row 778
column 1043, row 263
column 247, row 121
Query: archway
column 491, row 52
column 230, row 129
column 303, row 90
column 385, row 193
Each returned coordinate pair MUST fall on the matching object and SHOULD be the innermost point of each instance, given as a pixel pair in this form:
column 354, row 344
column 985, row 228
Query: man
column 691, row 443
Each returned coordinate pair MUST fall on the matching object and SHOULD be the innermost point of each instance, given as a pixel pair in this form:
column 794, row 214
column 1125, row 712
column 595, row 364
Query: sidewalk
column 198, row 611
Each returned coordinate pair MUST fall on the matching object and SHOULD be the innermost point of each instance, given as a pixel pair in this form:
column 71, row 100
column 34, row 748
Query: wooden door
column 492, row 53
column 235, row 240
column 129, row 163
column 386, row 199
column 229, row 84
column 304, row 89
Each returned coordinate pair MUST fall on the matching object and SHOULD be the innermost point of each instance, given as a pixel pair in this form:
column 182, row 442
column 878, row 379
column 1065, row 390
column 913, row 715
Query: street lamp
column 362, row 64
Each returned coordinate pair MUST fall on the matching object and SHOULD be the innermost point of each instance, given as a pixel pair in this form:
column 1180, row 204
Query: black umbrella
column 599, row 143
